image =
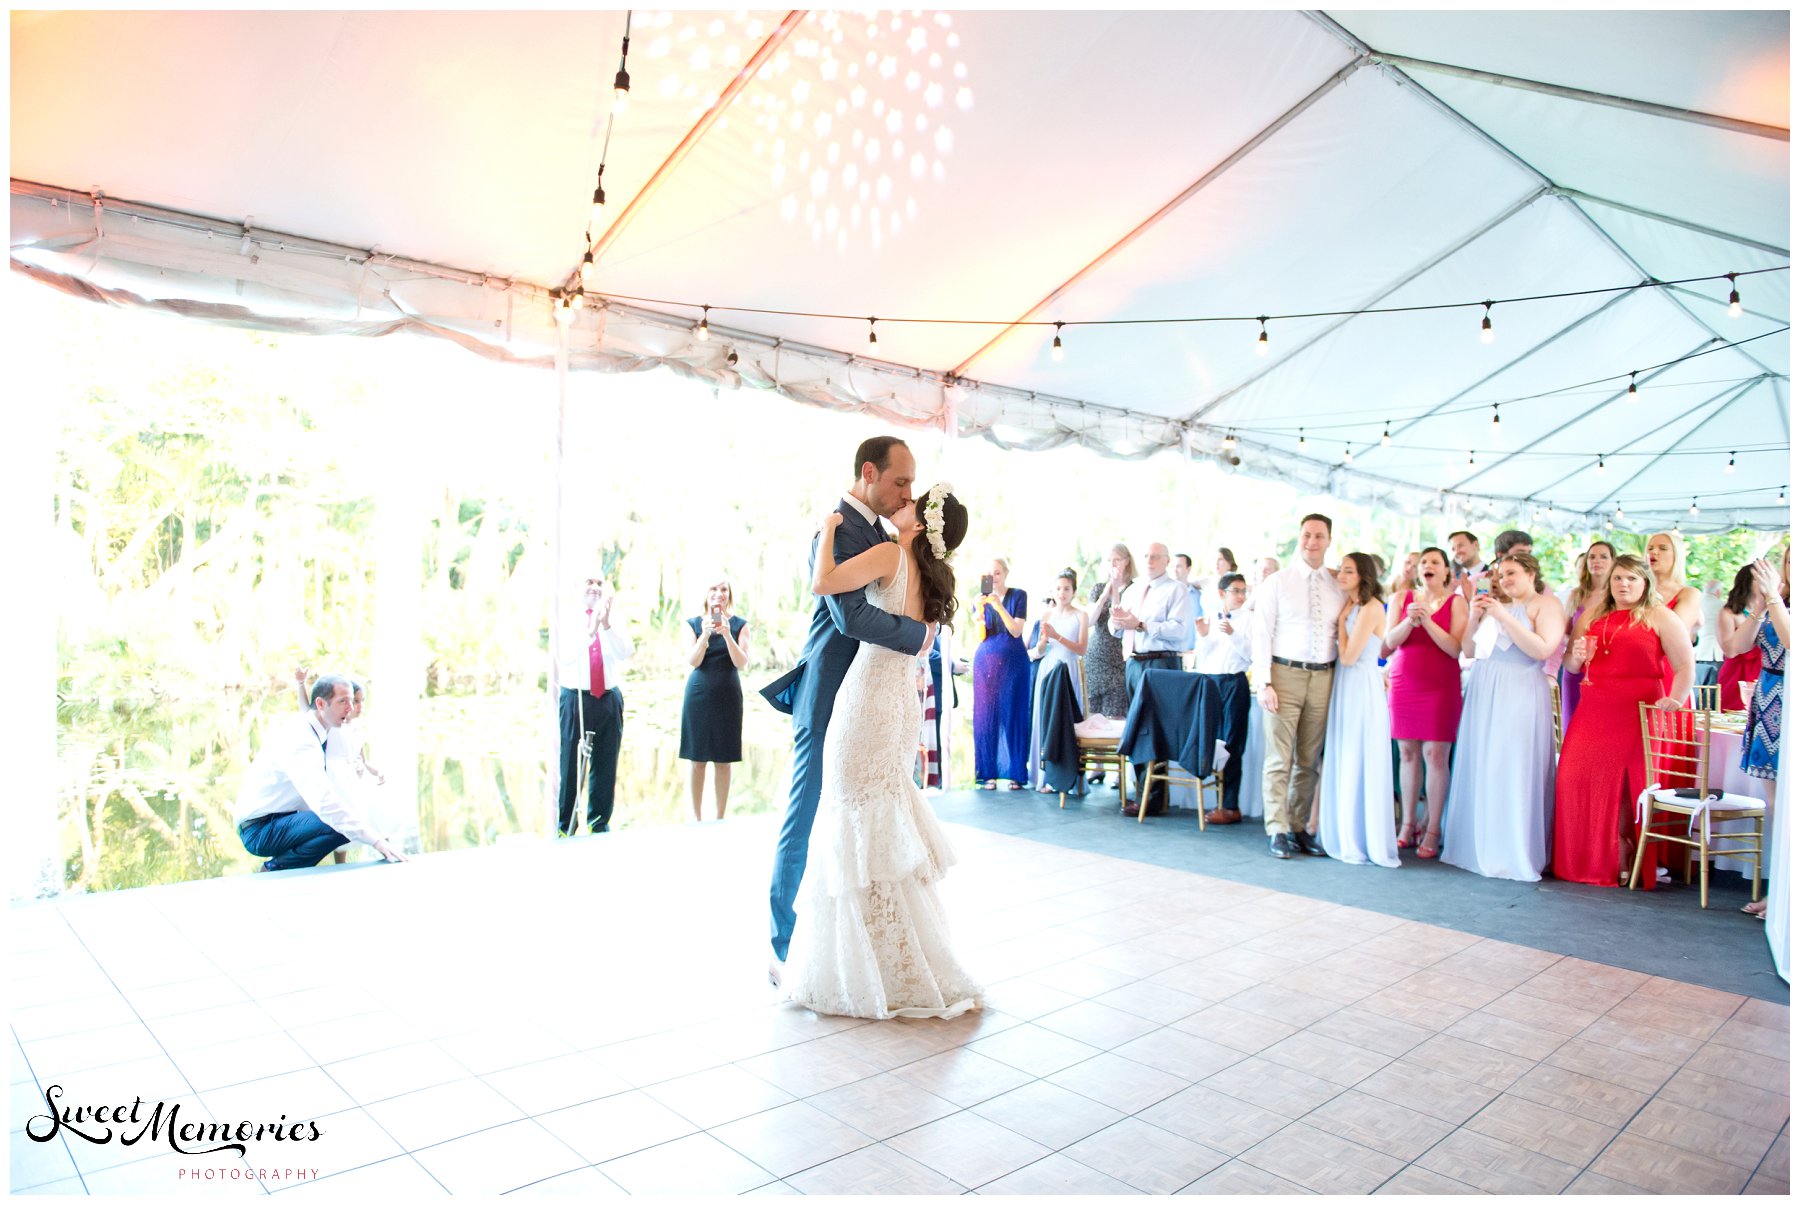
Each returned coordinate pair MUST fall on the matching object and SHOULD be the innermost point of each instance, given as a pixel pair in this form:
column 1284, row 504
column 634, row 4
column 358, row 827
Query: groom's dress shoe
column 1280, row 846
column 1308, row 844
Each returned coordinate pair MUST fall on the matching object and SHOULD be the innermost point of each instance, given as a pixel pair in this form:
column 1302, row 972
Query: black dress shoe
column 1308, row 844
column 1280, row 846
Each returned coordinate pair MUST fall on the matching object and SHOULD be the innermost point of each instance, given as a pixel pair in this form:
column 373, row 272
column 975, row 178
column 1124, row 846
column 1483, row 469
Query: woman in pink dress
column 1424, row 635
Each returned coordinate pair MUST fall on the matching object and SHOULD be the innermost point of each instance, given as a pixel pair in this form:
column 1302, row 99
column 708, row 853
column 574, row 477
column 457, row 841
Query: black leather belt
column 1313, row 665
column 1154, row 656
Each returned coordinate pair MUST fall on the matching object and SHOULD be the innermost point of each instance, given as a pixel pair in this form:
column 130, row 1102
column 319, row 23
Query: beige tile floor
column 589, row 1018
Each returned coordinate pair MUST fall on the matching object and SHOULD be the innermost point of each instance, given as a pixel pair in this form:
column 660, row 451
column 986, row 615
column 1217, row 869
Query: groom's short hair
column 877, row 449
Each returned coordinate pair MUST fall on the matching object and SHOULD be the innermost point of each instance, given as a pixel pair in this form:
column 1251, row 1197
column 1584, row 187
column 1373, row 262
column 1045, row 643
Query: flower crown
column 934, row 519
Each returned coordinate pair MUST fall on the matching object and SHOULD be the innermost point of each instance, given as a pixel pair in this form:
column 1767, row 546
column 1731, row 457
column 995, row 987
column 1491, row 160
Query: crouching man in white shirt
column 287, row 810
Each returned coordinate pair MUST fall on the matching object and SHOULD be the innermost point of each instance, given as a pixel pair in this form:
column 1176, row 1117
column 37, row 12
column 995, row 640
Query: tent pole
column 1576, row 194
column 1386, row 291
column 559, row 430
column 1600, row 405
column 1187, row 194
column 1736, row 125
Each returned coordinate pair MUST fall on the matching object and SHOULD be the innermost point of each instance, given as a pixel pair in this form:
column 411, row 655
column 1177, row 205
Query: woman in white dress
column 871, row 938
column 1061, row 643
column 1356, row 802
column 1497, row 820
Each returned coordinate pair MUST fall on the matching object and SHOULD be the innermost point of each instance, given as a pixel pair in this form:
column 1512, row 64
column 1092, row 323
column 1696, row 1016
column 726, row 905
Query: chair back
column 1677, row 746
column 1556, row 710
column 1706, row 698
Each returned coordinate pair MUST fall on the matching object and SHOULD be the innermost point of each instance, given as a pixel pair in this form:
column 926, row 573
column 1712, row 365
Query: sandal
column 1409, row 833
column 1755, row 908
column 1429, row 842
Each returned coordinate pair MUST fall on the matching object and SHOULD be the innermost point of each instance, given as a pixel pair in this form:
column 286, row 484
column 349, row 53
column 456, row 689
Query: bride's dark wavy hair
column 937, row 581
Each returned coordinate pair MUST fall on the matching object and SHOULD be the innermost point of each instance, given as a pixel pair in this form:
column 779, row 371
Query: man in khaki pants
column 1294, row 642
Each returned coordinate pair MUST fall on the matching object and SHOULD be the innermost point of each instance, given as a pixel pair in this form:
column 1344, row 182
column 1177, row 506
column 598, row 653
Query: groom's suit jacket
column 839, row 623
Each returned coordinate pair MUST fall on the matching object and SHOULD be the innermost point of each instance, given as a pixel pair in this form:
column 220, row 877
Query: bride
column 871, row 938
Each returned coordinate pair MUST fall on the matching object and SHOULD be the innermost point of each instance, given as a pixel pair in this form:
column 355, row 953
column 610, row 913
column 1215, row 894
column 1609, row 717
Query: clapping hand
column 1766, row 577
column 1205, row 629
column 1224, row 625
column 1416, row 612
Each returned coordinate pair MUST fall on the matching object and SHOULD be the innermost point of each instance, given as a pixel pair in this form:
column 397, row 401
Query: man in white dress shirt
column 1707, row 654
column 1183, row 567
column 1225, row 656
column 287, row 810
column 1295, row 652
column 1154, row 623
column 590, row 665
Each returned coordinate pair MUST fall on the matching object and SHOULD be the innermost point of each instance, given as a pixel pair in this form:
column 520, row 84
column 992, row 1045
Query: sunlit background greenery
column 219, row 501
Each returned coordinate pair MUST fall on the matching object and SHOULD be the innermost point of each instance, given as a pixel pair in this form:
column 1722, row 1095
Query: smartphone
column 987, row 583
column 1049, row 602
column 717, row 614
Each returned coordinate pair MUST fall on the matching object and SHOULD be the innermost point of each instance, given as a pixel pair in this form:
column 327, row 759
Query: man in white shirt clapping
column 1225, row 656
column 287, row 810
column 1154, row 623
column 1295, row 653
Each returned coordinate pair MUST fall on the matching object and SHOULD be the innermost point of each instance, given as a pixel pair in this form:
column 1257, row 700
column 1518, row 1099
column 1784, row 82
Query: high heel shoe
column 1428, row 844
column 1409, row 833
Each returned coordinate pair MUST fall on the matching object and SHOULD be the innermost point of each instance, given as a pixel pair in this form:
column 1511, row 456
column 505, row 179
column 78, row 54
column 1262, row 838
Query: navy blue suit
column 839, row 623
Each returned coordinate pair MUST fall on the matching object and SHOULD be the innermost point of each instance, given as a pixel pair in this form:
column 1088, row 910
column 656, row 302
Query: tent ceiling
column 997, row 166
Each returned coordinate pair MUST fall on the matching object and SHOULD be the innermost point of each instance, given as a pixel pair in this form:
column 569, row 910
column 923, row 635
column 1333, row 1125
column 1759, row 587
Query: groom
column 884, row 480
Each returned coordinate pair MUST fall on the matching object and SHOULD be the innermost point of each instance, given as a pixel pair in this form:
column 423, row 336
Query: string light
column 622, row 81
column 1262, row 339
column 1631, row 393
column 1487, row 322
column 1385, row 438
column 1734, row 308
column 871, row 330
column 1471, row 455
column 1230, row 441
column 703, row 332
column 587, row 266
column 1731, row 465
column 731, row 358
column 1496, row 414
column 1694, row 508
column 1609, row 525
column 1056, row 347
column 1303, row 439
column 1781, row 498
column 1601, row 467
column 597, row 212
column 565, row 314
column 576, row 299
column 1619, row 511
column 1347, row 456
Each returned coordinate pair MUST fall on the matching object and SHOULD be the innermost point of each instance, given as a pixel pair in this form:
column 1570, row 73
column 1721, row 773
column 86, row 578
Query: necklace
column 1603, row 647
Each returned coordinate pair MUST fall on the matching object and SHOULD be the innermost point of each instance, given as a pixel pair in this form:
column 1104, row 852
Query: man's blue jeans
column 290, row 839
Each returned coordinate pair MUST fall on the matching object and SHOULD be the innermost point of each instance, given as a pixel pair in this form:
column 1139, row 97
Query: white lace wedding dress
column 871, row 938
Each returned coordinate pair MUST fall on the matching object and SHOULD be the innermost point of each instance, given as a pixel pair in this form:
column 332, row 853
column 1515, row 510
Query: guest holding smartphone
column 1002, row 684
column 712, row 710
column 1105, row 660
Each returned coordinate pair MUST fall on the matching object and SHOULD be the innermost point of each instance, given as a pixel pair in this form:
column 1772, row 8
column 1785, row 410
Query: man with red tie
column 590, row 665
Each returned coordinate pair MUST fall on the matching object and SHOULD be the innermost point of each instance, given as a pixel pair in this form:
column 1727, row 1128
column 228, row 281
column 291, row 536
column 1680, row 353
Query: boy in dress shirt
column 1225, row 657
column 287, row 810
column 1294, row 645
column 1154, row 622
column 590, row 665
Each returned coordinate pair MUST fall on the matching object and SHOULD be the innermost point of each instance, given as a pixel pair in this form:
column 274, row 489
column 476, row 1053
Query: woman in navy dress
column 1002, row 687
column 712, row 710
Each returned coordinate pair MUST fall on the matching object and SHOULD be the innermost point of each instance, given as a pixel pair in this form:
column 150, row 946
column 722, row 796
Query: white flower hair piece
column 934, row 519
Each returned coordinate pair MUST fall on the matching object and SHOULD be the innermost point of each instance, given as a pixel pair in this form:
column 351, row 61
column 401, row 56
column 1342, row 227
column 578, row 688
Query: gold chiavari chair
column 1677, row 749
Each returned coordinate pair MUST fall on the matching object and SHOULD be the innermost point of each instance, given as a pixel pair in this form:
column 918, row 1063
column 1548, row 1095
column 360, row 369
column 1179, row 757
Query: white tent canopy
column 364, row 172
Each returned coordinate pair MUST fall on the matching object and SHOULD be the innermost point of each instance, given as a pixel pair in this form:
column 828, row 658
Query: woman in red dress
column 1636, row 650
column 1744, row 605
column 1424, row 636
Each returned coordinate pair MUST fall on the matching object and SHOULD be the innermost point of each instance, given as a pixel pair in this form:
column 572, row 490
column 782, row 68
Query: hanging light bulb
column 1230, row 441
column 1609, row 525
column 1734, row 308
column 1631, row 393
column 1347, row 456
column 1303, row 439
column 871, row 330
column 622, row 81
column 576, row 300
column 1601, row 467
column 1619, row 511
column 587, row 267
column 1781, row 498
column 731, row 358
column 597, row 211
column 1385, row 438
column 1534, row 515
column 702, row 332
column 565, row 313
column 1694, row 508
column 1731, row 465
column 1262, row 338
column 1056, row 347
column 1471, row 455
column 1487, row 322
column 1496, row 414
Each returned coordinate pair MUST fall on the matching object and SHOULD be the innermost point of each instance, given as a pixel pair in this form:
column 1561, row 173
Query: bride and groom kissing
column 869, row 937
